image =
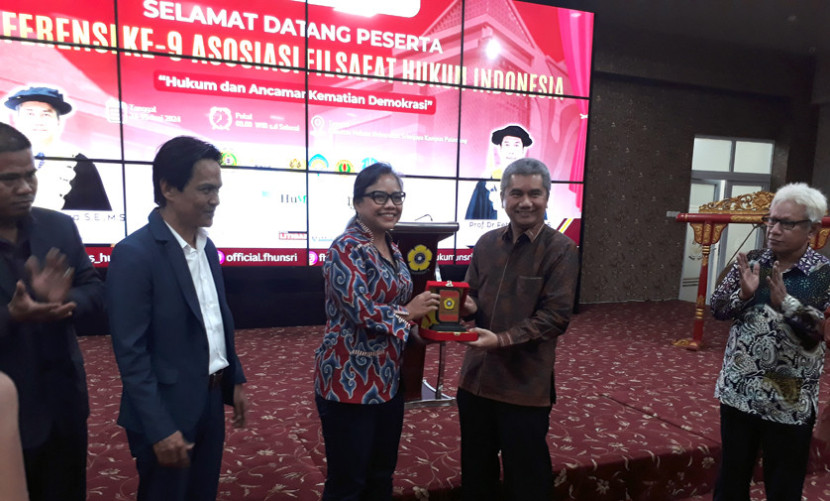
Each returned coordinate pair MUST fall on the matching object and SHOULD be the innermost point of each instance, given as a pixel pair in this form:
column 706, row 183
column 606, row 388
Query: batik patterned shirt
column 359, row 360
column 774, row 358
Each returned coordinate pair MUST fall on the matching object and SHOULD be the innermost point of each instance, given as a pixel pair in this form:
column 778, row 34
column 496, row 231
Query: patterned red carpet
column 635, row 418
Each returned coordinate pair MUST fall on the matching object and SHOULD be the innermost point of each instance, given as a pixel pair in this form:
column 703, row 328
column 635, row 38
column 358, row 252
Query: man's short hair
column 12, row 140
column 175, row 160
column 526, row 167
column 47, row 95
column 813, row 201
column 511, row 130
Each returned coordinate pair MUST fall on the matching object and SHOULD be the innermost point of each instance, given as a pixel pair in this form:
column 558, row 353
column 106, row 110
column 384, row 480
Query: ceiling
column 793, row 26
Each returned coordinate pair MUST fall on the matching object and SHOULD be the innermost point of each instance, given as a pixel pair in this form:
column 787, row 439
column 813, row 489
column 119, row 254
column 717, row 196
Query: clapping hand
column 777, row 289
column 22, row 308
column 750, row 277
column 50, row 286
column 52, row 282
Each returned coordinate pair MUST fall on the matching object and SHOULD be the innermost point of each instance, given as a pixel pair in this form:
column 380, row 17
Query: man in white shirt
column 172, row 331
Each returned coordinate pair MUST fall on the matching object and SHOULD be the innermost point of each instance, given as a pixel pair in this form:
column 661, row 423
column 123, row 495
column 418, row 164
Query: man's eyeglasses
column 380, row 197
column 785, row 224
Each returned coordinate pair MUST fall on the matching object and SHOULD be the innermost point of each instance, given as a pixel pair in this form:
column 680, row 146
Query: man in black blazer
column 172, row 331
column 47, row 282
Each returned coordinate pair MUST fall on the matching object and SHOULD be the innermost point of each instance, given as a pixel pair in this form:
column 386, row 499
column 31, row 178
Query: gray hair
column 813, row 201
column 526, row 167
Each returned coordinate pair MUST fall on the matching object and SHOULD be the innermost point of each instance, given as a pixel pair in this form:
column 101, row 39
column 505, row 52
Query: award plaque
column 445, row 323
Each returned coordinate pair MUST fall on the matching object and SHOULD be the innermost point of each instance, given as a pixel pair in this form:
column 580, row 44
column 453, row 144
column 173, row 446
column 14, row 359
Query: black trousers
column 198, row 482
column 361, row 448
column 520, row 433
column 56, row 469
column 785, row 449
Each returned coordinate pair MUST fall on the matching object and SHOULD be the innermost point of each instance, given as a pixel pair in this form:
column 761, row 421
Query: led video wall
column 299, row 96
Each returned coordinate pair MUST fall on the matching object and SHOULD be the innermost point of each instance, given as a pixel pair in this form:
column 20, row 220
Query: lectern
column 418, row 243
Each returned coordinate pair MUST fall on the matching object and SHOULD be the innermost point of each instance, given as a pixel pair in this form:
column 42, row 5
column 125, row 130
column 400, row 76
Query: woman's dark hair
column 175, row 160
column 370, row 175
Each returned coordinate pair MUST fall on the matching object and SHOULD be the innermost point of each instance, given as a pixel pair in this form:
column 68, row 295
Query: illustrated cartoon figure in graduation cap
column 511, row 143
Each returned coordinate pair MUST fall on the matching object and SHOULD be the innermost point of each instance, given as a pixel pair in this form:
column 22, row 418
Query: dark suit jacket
column 43, row 359
column 158, row 333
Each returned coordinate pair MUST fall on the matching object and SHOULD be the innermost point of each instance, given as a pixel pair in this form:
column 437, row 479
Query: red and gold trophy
column 445, row 323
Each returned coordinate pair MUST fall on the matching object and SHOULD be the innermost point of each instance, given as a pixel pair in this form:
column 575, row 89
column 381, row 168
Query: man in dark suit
column 172, row 331
column 38, row 347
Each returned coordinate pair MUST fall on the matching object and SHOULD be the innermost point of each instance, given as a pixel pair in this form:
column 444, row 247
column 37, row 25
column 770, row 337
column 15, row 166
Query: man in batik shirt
column 768, row 387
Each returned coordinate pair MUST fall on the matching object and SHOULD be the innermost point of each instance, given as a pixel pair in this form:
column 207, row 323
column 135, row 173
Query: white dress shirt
column 208, row 298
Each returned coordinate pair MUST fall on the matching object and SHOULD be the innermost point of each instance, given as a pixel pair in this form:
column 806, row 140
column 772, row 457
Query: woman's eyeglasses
column 380, row 197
